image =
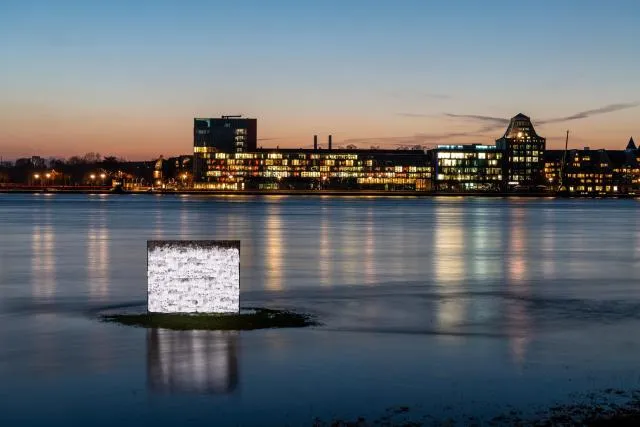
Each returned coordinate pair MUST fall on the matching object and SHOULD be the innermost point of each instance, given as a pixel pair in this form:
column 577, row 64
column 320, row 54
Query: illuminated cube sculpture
column 193, row 276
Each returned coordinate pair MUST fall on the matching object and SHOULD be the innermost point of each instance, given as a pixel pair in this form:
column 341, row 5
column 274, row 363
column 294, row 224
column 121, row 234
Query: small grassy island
column 249, row 319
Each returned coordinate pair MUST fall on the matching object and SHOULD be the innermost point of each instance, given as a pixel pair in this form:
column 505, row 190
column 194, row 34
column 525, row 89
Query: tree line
column 89, row 169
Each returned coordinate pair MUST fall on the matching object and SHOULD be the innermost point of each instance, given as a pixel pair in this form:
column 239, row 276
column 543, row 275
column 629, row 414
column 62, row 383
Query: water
column 452, row 307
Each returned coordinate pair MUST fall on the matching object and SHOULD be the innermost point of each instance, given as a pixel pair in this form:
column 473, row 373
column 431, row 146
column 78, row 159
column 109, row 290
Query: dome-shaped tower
column 523, row 150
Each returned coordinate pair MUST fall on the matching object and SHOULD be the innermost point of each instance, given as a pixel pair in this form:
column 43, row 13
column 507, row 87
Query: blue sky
column 127, row 77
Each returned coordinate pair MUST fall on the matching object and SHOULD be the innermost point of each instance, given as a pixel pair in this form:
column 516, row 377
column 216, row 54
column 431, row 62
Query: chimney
column 315, row 142
column 329, row 142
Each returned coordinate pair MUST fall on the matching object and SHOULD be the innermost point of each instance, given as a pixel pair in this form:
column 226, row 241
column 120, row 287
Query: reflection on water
column 98, row 266
column 518, row 323
column 184, row 221
column 368, row 252
column 324, row 259
column 548, row 245
column 203, row 362
column 274, row 248
column 43, row 263
column 500, row 280
column 449, row 271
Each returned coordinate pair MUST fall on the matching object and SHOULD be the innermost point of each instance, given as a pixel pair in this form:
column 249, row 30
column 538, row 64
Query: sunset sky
column 126, row 77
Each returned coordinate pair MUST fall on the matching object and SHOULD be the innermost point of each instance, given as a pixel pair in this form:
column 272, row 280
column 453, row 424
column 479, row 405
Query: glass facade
column 316, row 169
column 228, row 134
column 463, row 168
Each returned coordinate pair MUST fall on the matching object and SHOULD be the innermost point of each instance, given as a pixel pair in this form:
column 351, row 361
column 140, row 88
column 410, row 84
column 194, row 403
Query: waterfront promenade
column 341, row 193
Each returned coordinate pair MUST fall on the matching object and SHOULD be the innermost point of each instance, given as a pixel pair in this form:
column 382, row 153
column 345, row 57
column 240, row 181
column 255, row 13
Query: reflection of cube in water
column 193, row 276
column 192, row 361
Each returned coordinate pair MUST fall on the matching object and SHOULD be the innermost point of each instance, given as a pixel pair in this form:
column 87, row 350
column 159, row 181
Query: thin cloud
column 496, row 120
column 588, row 113
column 491, row 124
column 415, row 139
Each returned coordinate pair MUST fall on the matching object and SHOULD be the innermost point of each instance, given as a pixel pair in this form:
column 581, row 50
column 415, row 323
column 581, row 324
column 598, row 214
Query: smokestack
column 315, row 142
column 329, row 142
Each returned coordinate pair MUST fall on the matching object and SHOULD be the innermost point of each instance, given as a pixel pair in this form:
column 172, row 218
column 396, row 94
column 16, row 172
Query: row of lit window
column 463, row 162
column 470, row 169
column 474, row 155
column 525, row 160
column 385, row 181
column 606, row 188
column 230, row 163
column 457, row 177
column 588, row 175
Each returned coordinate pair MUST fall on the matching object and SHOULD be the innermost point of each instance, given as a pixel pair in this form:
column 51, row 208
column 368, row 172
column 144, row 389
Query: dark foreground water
column 451, row 307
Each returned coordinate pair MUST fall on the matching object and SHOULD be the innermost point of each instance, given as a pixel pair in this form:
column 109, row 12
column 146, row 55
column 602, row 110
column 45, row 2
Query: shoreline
column 316, row 193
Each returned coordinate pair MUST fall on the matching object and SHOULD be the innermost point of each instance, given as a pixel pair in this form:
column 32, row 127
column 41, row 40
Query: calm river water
column 451, row 307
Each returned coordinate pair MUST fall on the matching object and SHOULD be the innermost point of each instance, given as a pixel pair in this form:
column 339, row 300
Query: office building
column 228, row 134
column 467, row 168
column 307, row 169
column 523, row 166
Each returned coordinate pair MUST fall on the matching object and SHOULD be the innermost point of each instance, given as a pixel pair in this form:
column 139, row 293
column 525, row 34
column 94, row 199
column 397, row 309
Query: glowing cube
column 193, row 276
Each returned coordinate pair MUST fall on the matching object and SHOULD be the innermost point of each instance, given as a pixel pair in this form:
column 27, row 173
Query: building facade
column 308, row 169
column 523, row 148
column 587, row 172
column 227, row 134
column 467, row 168
column 226, row 158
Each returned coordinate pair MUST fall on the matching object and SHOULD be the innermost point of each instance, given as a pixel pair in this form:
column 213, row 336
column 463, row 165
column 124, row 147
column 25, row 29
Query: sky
column 127, row 77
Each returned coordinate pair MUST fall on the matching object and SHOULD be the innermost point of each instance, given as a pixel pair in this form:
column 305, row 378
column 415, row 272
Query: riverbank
column 332, row 193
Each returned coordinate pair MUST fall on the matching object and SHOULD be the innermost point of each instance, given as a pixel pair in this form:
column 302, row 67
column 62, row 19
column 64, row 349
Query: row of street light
column 49, row 175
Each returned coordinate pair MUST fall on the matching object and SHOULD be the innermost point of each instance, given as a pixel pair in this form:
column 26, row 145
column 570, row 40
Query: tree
column 76, row 160
column 54, row 162
column 92, row 157
column 110, row 162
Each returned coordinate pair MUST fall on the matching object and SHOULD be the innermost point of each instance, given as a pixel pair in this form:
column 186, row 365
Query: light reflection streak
column 518, row 320
column 274, row 250
column 350, row 243
column 203, row 362
column 184, row 221
column 43, row 262
column 480, row 261
column 548, row 247
column 449, row 266
column 325, row 249
column 158, row 231
column 98, row 256
column 369, row 251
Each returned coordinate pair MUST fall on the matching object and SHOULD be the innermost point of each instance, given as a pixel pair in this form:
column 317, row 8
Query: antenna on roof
column 564, row 162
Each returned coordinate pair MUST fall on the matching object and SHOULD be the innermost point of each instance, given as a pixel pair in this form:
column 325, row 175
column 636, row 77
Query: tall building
column 228, row 134
column 523, row 150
